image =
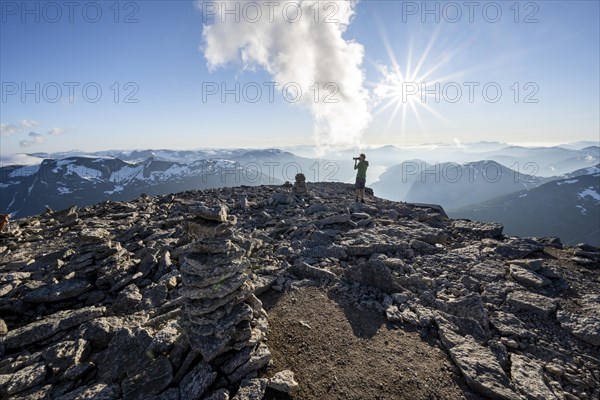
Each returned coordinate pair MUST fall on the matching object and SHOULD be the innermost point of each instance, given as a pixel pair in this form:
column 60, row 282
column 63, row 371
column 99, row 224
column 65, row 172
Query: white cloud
column 57, row 131
column 27, row 123
column 11, row 129
column 303, row 53
column 34, row 138
column 8, row 129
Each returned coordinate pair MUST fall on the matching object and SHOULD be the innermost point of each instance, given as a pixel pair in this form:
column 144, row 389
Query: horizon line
column 332, row 148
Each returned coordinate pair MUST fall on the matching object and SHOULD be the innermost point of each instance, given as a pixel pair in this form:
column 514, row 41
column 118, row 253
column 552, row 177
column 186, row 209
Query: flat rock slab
column 253, row 389
column 478, row 365
column 218, row 214
column 13, row 276
column 206, row 327
column 531, row 264
column 528, row 278
column 201, row 307
column 24, row 379
column 518, row 248
column 262, row 283
column 98, row 391
column 488, row 271
column 586, row 324
column 195, row 383
column 203, row 270
column 304, row 270
column 528, row 377
column 324, row 251
column 216, row 290
column 334, row 219
column 49, row 326
column 532, row 302
column 59, row 291
column 509, row 325
column 482, row 229
column 470, row 306
column 66, row 354
column 93, row 235
column 258, row 359
column 125, row 356
column 383, row 248
column 150, row 381
column 213, row 345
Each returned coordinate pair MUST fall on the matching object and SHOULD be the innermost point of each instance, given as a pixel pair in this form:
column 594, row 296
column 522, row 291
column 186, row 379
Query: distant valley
column 569, row 208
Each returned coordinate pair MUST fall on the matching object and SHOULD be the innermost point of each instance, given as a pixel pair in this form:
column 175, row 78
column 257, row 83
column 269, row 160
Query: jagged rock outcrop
column 157, row 298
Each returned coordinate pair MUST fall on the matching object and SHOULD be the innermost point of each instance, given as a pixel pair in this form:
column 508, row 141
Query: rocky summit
column 282, row 292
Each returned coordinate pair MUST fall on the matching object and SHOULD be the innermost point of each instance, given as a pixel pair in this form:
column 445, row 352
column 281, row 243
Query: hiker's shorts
column 360, row 183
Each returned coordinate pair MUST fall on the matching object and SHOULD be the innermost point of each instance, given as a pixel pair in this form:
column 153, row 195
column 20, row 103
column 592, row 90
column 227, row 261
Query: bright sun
column 409, row 89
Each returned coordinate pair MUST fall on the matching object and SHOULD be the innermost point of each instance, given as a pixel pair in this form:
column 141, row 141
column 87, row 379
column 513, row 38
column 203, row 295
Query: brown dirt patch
column 338, row 351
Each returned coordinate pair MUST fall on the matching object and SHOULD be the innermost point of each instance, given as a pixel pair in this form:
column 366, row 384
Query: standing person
column 361, row 164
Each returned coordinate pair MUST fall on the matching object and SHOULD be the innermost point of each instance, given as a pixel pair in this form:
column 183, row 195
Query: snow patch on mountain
column 64, row 190
column 117, row 189
column 84, row 172
column 27, row 170
column 127, row 174
column 62, row 163
column 582, row 209
column 99, row 159
column 176, row 170
column 568, row 182
column 589, row 192
column 593, row 170
column 31, row 187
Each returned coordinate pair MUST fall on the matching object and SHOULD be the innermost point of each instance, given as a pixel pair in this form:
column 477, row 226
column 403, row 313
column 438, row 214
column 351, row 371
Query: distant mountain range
column 454, row 185
column 397, row 180
column 477, row 184
column 82, row 181
column 538, row 161
column 545, row 161
column 60, row 180
column 477, row 172
column 568, row 208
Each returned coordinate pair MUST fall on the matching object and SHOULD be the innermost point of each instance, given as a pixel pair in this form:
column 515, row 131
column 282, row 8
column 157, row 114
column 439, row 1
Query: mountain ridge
column 569, row 206
column 118, row 300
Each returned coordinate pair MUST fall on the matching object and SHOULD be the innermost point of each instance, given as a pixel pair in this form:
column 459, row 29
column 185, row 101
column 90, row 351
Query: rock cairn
column 223, row 320
column 300, row 188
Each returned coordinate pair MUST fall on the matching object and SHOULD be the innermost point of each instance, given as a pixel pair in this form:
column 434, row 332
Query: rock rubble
column 156, row 298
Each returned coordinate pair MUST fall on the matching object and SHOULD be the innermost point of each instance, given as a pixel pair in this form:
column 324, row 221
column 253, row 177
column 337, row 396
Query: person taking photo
column 361, row 165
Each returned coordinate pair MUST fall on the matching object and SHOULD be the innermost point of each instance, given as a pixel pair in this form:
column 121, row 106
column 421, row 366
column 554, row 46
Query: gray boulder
column 373, row 273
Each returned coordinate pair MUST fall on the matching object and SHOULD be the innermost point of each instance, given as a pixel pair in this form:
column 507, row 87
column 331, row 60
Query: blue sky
column 157, row 59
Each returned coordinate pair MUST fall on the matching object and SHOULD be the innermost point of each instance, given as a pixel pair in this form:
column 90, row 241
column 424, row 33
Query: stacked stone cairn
column 223, row 320
column 300, row 188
